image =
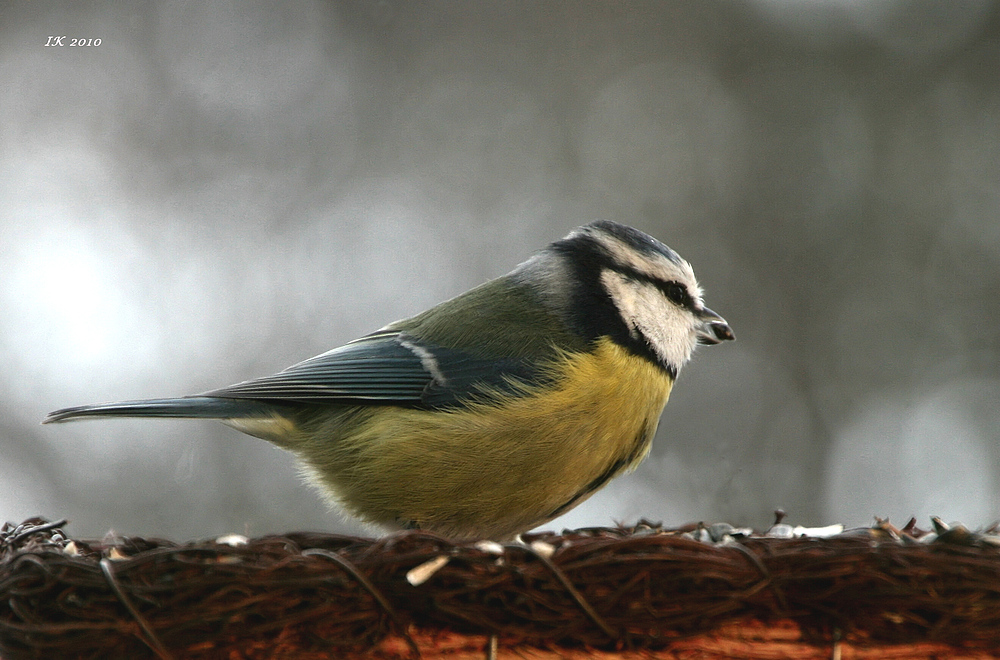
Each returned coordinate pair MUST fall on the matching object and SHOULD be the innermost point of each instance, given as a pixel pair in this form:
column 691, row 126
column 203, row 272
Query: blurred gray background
column 221, row 189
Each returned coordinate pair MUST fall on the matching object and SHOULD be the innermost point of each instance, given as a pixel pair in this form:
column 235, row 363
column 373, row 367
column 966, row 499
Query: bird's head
column 609, row 279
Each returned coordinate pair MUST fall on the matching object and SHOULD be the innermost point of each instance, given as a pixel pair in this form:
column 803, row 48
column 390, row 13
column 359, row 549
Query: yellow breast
column 492, row 471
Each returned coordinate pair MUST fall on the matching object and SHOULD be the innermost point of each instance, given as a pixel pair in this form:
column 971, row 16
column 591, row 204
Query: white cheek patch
column 668, row 329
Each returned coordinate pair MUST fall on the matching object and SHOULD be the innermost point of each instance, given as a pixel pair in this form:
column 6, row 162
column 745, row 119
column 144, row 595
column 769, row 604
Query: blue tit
column 495, row 411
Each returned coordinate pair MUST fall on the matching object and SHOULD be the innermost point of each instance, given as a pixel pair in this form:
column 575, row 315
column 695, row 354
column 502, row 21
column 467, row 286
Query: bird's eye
column 677, row 293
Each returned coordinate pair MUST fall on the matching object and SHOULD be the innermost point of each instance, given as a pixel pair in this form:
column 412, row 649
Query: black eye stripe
column 674, row 291
column 677, row 293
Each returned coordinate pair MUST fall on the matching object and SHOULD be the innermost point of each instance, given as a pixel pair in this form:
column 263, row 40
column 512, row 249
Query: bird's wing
column 390, row 368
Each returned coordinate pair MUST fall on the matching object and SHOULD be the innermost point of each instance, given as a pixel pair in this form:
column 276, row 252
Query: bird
column 493, row 412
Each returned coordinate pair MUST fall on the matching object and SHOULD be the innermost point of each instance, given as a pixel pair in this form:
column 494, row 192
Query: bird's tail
column 203, row 407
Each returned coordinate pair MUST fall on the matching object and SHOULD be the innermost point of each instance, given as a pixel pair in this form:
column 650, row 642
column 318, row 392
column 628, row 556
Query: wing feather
column 388, row 368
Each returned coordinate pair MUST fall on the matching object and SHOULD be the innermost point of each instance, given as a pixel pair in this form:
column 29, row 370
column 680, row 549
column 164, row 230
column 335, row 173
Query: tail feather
column 195, row 407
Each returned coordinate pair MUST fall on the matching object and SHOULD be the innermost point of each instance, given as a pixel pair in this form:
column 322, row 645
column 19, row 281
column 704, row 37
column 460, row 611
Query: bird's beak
column 713, row 328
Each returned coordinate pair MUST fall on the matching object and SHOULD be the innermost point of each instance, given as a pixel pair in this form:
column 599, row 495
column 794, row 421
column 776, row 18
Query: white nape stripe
column 669, row 329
